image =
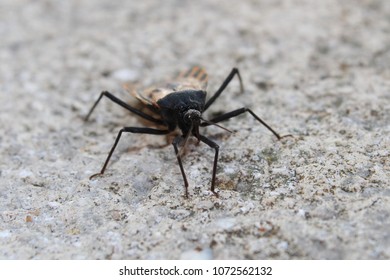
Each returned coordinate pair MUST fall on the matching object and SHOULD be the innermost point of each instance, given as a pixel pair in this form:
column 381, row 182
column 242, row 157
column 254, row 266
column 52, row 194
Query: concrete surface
column 316, row 69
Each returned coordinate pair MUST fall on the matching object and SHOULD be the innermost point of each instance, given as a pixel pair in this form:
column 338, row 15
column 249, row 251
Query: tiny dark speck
column 106, row 73
column 263, row 85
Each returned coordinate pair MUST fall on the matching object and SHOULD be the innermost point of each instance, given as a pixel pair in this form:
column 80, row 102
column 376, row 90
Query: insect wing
column 151, row 95
column 195, row 78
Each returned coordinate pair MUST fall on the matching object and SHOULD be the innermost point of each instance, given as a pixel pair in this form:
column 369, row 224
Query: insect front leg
column 216, row 148
column 223, row 86
column 175, row 143
column 240, row 111
column 144, row 130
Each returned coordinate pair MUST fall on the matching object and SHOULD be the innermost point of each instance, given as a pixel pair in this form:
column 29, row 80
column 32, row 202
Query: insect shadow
column 180, row 103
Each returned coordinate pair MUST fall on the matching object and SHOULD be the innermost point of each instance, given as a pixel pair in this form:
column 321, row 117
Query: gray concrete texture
column 316, row 69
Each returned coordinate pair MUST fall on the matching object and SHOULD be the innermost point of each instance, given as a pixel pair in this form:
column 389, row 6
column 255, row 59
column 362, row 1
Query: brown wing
column 194, row 78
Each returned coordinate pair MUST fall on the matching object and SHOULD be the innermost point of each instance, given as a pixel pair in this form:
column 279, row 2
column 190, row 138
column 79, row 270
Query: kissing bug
column 179, row 104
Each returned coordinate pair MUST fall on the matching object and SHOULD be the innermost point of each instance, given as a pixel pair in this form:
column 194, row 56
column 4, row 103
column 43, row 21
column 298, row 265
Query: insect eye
column 187, row 117
column 191, row 115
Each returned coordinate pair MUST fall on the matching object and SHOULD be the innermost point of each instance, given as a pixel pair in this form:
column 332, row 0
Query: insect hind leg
column 223, row 86
column 124, row 105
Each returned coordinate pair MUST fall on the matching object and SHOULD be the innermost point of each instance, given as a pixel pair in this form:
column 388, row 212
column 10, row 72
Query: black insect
column 180, row 103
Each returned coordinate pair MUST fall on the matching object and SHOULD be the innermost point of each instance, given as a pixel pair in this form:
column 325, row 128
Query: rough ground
column 316, row 69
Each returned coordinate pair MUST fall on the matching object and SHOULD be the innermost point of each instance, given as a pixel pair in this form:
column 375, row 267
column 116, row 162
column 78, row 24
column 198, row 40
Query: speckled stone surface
column 316, row 69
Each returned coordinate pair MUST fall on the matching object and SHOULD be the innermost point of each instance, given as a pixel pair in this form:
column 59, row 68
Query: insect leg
column 124, row 105
column 144, row 130
column 216, row 148
column 223, row 86
column 237, row 112
column 175, row 142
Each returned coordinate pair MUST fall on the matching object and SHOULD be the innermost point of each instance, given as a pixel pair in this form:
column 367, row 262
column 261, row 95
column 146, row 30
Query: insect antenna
column 181, row 151
column 213, row 123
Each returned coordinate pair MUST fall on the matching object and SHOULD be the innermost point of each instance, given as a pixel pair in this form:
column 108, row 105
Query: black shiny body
column 174, row 106
column 179, row 104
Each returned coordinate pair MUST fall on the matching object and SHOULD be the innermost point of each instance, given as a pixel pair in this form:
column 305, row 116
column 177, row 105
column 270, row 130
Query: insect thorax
column 176, row 106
